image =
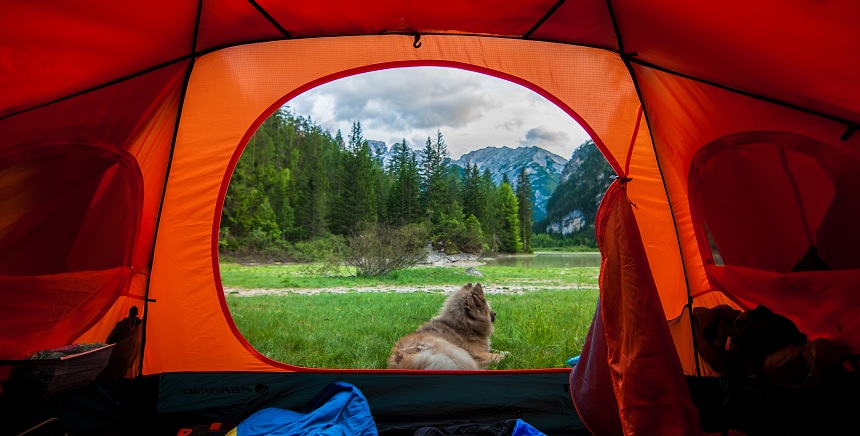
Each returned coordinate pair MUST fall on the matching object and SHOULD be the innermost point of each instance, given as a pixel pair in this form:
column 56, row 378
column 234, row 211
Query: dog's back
column 427, row 351
column 457, row 338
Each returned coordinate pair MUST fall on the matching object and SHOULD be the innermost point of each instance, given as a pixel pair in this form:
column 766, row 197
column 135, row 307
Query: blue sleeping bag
column 338, row 410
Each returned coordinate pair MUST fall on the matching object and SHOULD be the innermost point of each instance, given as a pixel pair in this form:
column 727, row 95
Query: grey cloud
column 405, row 99
column 542, row 135
column 511, row 124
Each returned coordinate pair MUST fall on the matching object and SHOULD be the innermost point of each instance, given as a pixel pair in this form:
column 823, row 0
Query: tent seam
column 261, row 41
column 851, row 125
column 270, row 18
column 633, row 141
column 543, row 19
column 185, row 82
column 795, row 189
column 628, row 63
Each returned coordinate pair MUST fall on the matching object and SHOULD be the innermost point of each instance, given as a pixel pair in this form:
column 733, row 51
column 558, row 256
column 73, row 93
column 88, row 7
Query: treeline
column 295, row 184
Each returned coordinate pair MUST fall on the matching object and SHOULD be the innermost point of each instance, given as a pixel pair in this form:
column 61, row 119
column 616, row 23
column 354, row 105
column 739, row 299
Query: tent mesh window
column 71, row 223
column 775, row 201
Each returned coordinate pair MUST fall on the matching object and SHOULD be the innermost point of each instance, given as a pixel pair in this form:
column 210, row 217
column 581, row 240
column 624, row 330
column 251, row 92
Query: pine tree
column 488, row 217
column 509, row 222
column 313, row 192
column 434, row 169
column 355, row 206
column 471, row 193
column 411, row 188
column 432, row 175
column 337, row 183
column 524, row 199
column 403, row 202
column 256, row 204
column 284, row 175
column 440, row 190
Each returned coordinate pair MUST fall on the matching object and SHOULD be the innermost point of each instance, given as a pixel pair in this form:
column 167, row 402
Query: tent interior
column 732, row 128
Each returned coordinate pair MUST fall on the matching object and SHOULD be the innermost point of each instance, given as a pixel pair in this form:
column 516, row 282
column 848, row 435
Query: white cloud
column 471, row 110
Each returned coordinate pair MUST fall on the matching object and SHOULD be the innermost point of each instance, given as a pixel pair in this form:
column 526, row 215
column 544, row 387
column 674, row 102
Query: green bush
column 583, row 240
column 379, row 249
column 326, row 249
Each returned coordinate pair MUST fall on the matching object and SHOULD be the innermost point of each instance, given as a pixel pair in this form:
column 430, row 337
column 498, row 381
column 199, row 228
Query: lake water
column 545, row 260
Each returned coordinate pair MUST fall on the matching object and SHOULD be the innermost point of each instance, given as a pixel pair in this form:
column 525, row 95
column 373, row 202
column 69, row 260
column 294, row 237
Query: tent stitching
column 849, row 132
column 632, row 142
column 616, row 29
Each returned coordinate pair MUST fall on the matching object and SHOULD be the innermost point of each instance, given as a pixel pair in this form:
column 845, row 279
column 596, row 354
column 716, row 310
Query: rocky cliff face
column 573, row 205
column 570, row 223
column 378, row 150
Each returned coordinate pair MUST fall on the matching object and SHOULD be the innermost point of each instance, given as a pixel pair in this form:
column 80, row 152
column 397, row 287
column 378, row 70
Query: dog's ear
column 478, row 289
column 476, row 298
column 470, row 301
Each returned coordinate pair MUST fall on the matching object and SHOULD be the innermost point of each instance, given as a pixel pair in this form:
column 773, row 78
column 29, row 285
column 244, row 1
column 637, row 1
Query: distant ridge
column 543, row 168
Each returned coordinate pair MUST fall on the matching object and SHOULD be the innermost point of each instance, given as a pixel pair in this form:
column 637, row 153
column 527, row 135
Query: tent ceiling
column 805, row 54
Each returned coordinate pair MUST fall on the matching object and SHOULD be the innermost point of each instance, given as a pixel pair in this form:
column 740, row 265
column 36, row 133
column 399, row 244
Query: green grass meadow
column 293, row 276
column 540, row 328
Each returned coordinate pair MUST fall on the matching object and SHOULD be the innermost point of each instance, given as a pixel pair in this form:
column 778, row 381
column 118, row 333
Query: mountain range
column 543, row 167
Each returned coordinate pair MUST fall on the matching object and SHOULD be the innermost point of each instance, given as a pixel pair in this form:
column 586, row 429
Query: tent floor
column 755, row 407
column 400, row 403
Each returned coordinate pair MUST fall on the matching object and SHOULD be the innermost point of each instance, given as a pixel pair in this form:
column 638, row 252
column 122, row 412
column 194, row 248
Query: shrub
column 379, row 249
column 323, row 249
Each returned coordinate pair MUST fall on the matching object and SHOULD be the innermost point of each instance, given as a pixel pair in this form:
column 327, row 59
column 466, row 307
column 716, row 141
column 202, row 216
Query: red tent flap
column 647, row 377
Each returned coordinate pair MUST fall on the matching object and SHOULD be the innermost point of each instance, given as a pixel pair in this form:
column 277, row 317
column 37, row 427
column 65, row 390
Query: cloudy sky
column 471, row 110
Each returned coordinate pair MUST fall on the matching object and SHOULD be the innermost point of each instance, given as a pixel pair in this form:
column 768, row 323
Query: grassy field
column 542, row 320
column 302, row 276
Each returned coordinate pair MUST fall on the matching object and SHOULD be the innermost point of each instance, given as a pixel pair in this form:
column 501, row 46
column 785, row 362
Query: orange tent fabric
column 231, row 92
column 130, row 116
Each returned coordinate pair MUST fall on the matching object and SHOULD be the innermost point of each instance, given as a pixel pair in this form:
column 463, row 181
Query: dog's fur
column 457, row 338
